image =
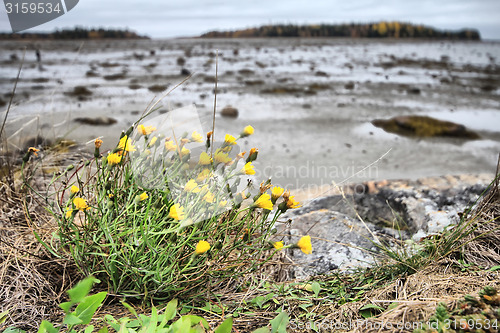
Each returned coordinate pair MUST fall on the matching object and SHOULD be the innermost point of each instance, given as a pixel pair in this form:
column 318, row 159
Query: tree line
column 76, row 33
column 352, row 30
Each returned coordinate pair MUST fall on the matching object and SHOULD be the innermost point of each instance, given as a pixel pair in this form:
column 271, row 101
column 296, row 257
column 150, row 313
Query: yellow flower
column 185, row 141
column 252, row 155
column 248, row 130
column 248, row 169
column 196, row 137
column 146, row 130
column 204, row 174
column 209, row 197
column 229, row 140
column 114, row 159
column 276, row 192
column 33, row 150
column 143, row 196
column 264, row 201
column 202, row 247
column 69, row 213
column 169, row 145
column 80, row 203
column 204, row 159
column 278, row 245
column 185, row 151
column 176, row 212
column 221, row 157
column 305, row 244
column 126, row 144
column 98, row 143
column 291, row 203
column 222, row 204
column 74, row 189
column 152, row 142
column 191, row 186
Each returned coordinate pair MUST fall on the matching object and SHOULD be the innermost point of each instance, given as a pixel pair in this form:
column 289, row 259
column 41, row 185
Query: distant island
column 352, row 30
column 76, row 33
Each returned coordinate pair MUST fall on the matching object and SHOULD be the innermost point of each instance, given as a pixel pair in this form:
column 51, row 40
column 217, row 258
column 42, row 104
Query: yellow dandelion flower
column 143, row 196
column 221, row 157
column 248, row 169
column 176, row 212
column 152, row 142
column 114, row 159
column 229, row 140
column 185, row 141
column 98, row 143
column 204, row 174
column 196, row 137
column 204, row 159
column 252, row 155
column 291, row 203
column 248, row 130
column 264, row 201
column 276, row 192
column 74, row 189
column 278, row 245
column 185, row 151
column 209, row 197
column 305, row 244
column 126, row 144
column 222, row 203
column 190, row 185
column 80, row 203
column 170, row 146
column 202, row 247
column 146, row 130
column 69, row 213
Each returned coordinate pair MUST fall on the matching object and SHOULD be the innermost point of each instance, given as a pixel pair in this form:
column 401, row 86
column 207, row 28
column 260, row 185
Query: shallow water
column 318, row 134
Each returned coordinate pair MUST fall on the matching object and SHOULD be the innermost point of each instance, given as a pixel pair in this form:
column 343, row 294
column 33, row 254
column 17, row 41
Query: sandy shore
column 310, row 101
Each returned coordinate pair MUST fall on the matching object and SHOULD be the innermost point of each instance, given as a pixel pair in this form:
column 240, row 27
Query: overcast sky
column 175, row 18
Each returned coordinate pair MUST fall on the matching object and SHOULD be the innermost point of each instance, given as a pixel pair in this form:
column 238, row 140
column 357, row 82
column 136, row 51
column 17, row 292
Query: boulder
column 229, row 111
column 424, row 126
column 97, row 121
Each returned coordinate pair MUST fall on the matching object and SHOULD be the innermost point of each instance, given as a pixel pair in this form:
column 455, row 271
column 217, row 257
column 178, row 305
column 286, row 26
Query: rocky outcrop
column 345, row 229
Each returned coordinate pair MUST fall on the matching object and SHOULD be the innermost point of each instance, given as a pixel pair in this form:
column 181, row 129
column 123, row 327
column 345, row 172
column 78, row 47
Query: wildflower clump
column 167, row 213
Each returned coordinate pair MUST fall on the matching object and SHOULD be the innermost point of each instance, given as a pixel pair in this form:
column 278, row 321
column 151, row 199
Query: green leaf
column 279, row 323
column 225, row 327
column 495, row 268
column 71, row 319
column 315, row 288
column 264, row 329
column 89, row 329
column 393, row 305
column 103, row 330
column 171, row 310
column 129, row 308
column 370, row 310
column 153, row 322
column 82, row 289
column 3, row 316
column 183, row 324
column 86, row 309
column 197, row 320
column 66, row 306
column 46, row 327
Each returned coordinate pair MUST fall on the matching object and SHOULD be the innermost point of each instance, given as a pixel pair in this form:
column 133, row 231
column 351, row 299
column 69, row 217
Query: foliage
column 354, row 30
column 166, row 216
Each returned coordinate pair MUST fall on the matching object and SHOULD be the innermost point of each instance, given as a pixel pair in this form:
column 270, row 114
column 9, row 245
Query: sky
column 183, row 18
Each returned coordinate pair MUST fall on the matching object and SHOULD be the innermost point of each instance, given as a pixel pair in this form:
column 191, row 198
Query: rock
column 181, row 61
column 229, row 112
column 413, row 91
column 80, row 91
column 185, row 72
column 349, row 85
column 158, row 87
column 114, row 77
column 389, row 211
column 97, row 121
column 424, row 126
